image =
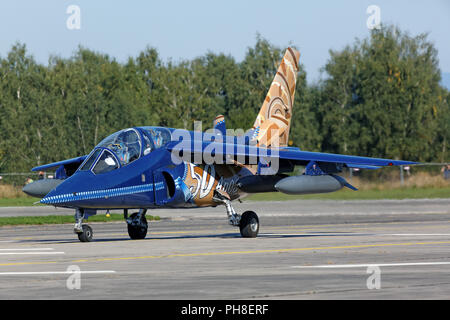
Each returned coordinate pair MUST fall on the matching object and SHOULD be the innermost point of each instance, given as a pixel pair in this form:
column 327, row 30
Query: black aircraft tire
column 138, row 232
column 249, row 225
column 86, row 235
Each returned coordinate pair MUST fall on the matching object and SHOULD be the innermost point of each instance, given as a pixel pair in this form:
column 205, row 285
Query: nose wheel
column 83, row 231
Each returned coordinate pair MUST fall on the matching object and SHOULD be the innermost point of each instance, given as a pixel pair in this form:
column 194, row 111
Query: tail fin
column 219, row 124
column 276, row 111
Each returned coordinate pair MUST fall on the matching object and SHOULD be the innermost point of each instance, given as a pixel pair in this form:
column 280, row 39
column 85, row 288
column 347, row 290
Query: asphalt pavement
column 388, row 249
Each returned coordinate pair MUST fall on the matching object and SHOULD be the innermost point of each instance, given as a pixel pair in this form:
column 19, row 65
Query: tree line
column 379, row 96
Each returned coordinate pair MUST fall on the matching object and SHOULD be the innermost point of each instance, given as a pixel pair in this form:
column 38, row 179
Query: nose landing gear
column 83, row 231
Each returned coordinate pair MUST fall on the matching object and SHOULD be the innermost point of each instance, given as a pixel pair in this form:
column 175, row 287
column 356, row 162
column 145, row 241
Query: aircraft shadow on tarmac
column 231, row 235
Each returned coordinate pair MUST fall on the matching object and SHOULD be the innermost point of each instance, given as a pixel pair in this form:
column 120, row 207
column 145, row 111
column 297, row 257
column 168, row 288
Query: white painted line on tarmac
column 365, row 265
column 27, row 249
column 55, row 272
column 417, row 234
column 33, row 252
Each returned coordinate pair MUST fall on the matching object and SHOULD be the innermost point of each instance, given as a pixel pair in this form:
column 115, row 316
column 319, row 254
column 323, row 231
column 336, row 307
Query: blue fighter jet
column 151, row 167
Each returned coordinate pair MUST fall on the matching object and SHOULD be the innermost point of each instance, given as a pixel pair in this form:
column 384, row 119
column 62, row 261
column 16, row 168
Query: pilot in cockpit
column 147, row 145
column 126, row 147
column 158, row 139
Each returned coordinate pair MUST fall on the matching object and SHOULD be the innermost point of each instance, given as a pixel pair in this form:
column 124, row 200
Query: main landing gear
column 136, row 223
column 248, row 222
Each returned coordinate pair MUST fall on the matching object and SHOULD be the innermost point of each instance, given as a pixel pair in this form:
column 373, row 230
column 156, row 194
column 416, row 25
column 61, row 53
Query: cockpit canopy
column 126, row 144
column 155, row 138
column 124, row 147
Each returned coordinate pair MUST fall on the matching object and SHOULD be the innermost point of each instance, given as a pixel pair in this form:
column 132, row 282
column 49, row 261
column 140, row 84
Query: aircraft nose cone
column 41, row 188
column 71, row 191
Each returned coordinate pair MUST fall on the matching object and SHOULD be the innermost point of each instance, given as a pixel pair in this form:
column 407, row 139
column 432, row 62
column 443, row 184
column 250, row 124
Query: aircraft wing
column 245, row 153
column 51, row 166
column 350, row 161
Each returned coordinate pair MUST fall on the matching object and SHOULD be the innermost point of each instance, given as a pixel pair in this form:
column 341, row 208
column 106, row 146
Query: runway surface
column 305, row 250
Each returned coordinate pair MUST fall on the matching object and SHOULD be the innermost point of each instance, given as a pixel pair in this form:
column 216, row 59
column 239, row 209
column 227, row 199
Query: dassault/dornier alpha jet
column 151, row 167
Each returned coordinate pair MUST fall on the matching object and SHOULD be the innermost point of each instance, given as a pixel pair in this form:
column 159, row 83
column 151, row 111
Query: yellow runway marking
column 365, row 246
column 271, row 251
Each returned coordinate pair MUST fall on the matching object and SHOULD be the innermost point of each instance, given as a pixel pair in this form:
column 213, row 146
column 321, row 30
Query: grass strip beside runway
column 39, row 220
column 347, row 194
column 344, row 194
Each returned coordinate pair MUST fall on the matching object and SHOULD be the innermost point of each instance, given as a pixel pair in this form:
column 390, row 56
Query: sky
column 188, row 29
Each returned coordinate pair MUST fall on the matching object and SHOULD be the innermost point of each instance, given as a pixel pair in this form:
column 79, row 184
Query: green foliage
column 383, row 98
column 380, row 97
